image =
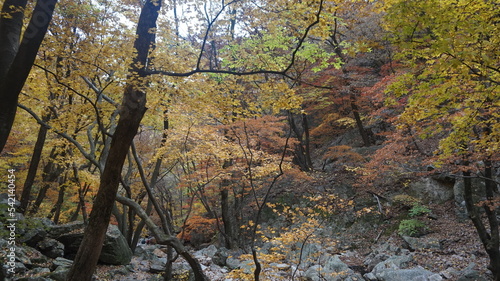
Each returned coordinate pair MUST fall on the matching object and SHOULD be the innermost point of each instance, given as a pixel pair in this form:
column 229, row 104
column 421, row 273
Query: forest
column 298, row 140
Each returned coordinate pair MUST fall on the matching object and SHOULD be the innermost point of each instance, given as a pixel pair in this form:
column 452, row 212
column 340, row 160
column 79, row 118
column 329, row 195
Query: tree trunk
column 10, row 32
column 132, row 110
column 359, row 122
column 35, row 160
column 56, row 210
column 51, row 175
column 302, row 155
column 12, row 82
column 228, row 217
column 489, row 239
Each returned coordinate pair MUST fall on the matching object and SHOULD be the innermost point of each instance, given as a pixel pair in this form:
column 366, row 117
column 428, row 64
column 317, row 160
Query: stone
column 233, row 263
column 430, row 190
column 422, row 243
column 334, row 270
column 220, row 257
column 393, row 263
column 60, row 273
column 115, row 250
column 182, row 272
column 412, row 274
column 62, row 262
column 209, row 251
column 32, row 236
column 56, row 231
column 51, row 248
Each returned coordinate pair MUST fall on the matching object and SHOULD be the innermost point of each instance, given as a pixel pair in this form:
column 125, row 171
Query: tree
column 18, row 55
column 133, row 109
column 451, row 95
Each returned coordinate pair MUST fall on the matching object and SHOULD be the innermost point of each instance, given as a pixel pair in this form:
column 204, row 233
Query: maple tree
column 450, row 96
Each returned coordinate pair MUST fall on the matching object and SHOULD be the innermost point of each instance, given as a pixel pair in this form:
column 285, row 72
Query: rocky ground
column 450, row 250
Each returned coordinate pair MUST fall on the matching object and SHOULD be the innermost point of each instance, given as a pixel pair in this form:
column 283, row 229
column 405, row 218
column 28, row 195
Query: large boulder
column 333, row 270
column 115, row 249
column 431, row 190
column 394, row 269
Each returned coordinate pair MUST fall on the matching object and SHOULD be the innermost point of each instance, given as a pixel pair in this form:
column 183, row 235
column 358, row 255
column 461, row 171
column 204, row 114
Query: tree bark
column 10, row 32
column 51, row 175
column 359, row 122
column 12, row 81
column 32, row 171
column 132, row 110
column 489, row 239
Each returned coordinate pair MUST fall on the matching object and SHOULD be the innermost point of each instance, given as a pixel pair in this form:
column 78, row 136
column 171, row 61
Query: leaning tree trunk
column 16, row 63
column 33, row 168
column 132, row 110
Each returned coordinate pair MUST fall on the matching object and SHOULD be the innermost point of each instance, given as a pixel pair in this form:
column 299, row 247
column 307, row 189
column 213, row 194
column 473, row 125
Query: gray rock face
column 430, row 190
column 115, row 250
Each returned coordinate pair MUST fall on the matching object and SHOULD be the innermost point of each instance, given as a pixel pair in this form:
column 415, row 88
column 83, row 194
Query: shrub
column 418, row 210
column 412, row 227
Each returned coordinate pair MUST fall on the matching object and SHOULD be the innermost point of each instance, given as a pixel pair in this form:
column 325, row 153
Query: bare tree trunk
column 359, row 122
column 56, row 210
column 302, row 150
column 51, row 175
column 32, row 171
column 490, row 239
column 132, row 110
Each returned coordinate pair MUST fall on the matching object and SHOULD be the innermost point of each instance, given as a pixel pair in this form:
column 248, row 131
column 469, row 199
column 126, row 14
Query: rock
column 32, row 275
column 233, row 263
column 182, row 272
column 157, row 266
column 59, row 274
column 393, row 269
column 39, row 278
column 422, row 243
column 392, row 263
column 121, row 270
column 430, row 190
column 220, row 257
column 334, row 270
column 51, row 248
column 4, row 201
column 412, row 274
column 55, row 231
column 32, row 236
column 209, row 251
column 115, row 250
column 62, row 262
column 470, row 274
column 159, row 253
column 280, row 266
